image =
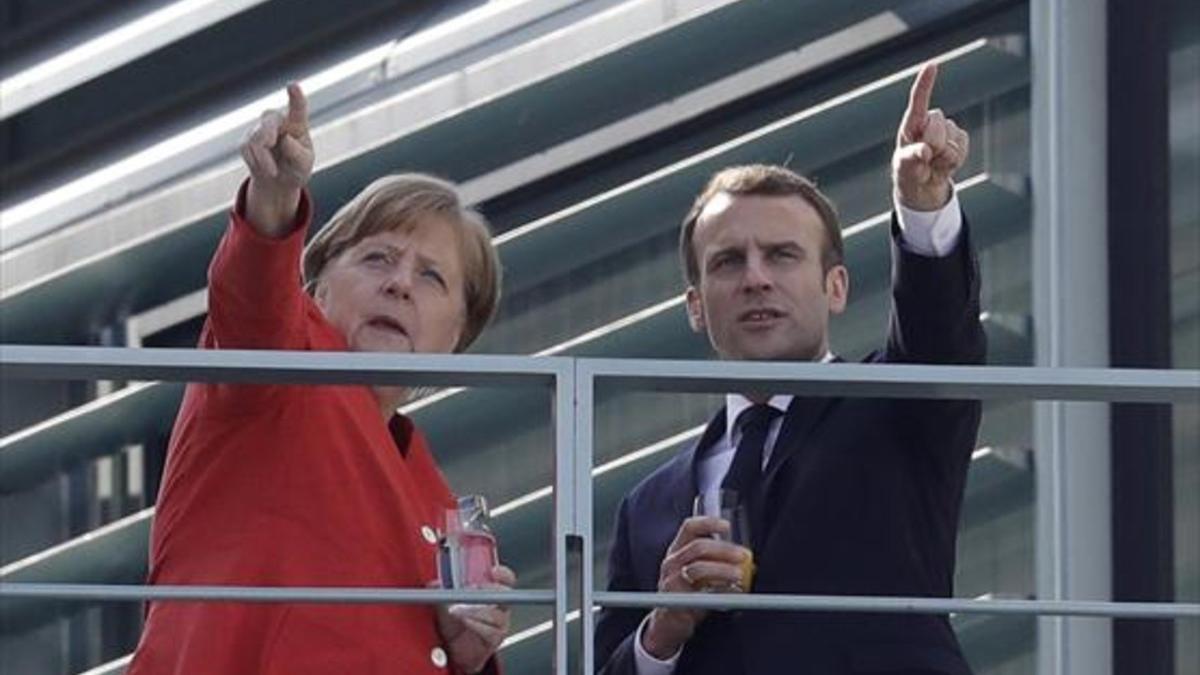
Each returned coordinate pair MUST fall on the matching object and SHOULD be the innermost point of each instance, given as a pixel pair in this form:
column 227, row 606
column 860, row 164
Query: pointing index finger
column 922, row 89
column 918, row 101
column 297, row 112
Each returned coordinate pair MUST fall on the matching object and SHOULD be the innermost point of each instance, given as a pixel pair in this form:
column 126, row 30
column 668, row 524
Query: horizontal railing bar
column 402, row 596
column 845, row 379
column 895, row 605
column 711, row 601
column 900, row 381
column 276, row 367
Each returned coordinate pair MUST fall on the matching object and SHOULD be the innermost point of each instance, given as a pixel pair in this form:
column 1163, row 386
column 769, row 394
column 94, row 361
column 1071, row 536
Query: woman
column 320, row 485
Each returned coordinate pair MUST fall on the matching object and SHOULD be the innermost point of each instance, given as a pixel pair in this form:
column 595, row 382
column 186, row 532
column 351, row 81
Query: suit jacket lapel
column 684, row 485
column 803, row 417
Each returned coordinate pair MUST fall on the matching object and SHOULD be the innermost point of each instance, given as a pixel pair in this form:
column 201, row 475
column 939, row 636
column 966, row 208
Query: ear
column 837, row 287
column 695, row 310
column 457, row 347
column 319, row 292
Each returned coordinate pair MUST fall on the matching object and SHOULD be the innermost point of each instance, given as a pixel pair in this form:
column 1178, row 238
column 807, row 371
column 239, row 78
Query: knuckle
column 690, row 551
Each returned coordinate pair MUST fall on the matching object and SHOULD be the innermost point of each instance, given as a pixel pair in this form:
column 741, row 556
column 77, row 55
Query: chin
column 776, row 353
column 398, row 347
column 767, row 356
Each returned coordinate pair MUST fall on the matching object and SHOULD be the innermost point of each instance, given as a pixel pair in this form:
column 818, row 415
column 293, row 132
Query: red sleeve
column 255, row 297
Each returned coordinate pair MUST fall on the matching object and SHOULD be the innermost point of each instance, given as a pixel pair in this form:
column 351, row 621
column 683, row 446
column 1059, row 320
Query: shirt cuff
column 646, row 664
column 930, row 233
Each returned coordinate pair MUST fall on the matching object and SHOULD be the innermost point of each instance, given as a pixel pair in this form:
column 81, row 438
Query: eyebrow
column 392, row 248
column 768, row 246
column 430, row 262
column 784, row 245
column 725, row 252
column 376, row 245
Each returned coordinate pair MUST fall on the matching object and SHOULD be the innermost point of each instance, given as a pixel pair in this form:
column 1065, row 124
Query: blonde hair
column 762, row 180
column 396, row 202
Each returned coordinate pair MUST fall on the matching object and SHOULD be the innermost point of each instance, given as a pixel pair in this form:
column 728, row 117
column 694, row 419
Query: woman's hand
column 473, row 633
column 278, row 151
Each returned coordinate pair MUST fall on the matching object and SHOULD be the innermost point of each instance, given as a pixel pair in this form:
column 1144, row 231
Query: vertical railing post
column 564, row 503
column 1070, row 304
column 585, row 416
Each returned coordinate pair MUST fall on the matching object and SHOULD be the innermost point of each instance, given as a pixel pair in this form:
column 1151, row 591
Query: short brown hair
column 395, row 203
column 763, row 180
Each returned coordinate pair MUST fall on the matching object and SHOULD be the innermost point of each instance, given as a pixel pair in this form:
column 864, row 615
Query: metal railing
column 573, row 383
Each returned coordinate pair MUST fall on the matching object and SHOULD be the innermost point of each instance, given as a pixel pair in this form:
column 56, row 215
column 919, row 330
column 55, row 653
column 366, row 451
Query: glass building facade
column 585, row 168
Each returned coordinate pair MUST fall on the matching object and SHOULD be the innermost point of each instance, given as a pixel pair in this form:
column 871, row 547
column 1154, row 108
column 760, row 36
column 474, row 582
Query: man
column 275, row 485
column 845, row 496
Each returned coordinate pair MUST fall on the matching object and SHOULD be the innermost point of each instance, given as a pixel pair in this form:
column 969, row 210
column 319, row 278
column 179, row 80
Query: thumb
column 912, row 155
column 912, row 162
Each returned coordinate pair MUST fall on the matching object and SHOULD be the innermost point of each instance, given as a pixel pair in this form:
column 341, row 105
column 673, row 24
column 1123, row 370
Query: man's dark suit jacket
column 862, row 498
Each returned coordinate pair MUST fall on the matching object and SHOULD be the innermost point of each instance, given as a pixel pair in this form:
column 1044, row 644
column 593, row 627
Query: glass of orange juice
column 725, row 504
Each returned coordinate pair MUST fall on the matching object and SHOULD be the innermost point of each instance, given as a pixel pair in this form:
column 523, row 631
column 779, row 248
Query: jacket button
column 438, row 656
column 428, row 533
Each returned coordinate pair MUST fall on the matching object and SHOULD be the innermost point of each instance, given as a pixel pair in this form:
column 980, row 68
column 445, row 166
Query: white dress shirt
column 929, row 233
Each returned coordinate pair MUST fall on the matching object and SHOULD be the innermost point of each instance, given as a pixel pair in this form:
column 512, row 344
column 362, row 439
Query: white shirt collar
column 736, row 403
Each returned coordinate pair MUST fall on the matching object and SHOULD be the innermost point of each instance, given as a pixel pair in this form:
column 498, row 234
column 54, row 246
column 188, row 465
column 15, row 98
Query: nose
column 757, row 276
column 398, row 284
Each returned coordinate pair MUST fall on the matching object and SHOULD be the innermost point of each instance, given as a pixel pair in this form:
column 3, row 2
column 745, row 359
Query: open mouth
column 760, row 315
column 387, row 323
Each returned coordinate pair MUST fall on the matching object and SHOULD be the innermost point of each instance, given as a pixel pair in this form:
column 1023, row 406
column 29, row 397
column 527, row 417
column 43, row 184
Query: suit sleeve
column 935, row 320
column 935, row 305
column 616, row 627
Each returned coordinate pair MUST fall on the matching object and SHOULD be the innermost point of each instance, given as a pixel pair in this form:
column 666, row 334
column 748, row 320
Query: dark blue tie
column 746, row 469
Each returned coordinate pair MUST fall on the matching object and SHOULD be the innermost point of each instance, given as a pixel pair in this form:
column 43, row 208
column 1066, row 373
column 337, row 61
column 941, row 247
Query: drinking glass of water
column 468, row 548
